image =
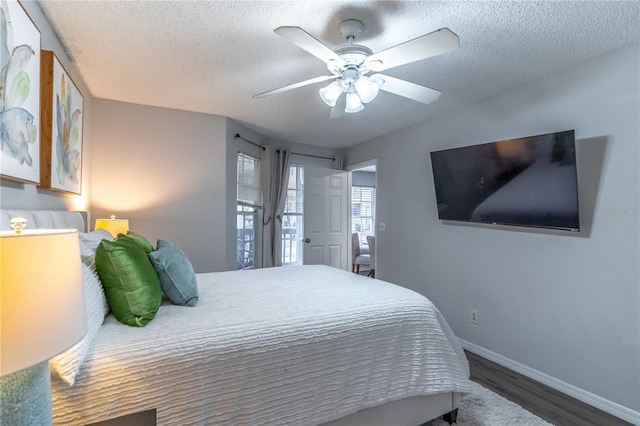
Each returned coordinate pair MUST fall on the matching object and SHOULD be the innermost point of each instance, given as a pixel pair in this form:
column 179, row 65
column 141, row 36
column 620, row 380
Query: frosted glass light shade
column 41, row 296
column 113, row 225
column 367, row 89
column 353, row 103
column 331, row 93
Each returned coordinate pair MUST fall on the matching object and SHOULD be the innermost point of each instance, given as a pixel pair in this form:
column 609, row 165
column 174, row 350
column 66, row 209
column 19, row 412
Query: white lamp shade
column 113, row 225
column 41, row 296
column 353, row 102
column 331, row 93
column 367, row 89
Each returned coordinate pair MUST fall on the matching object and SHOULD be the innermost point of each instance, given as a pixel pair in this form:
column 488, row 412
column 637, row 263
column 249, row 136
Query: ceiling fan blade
column 338, row 110
column 306, row 41
column 294, row 86
column 407, row 89
column 426, row 46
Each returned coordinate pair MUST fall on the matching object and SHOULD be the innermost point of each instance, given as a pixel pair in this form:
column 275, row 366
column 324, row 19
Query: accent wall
column 560, row 304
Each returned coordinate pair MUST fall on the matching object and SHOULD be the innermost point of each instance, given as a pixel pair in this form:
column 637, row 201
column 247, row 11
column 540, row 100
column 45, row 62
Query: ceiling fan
column 351, row 64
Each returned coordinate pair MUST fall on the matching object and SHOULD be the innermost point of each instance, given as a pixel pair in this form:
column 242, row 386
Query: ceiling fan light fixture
column 374, row 65
column 353, row 102
column 367, row 89
column 330, row 94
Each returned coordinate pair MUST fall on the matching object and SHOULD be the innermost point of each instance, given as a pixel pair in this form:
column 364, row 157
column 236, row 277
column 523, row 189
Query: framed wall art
column 62, row 117
column 19, row 94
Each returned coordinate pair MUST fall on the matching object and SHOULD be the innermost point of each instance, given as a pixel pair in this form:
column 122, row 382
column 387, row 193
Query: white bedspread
column 298, row 345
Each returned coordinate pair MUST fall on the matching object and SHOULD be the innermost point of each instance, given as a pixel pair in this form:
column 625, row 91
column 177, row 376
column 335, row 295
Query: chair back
column 355, row 246
column 371, row 240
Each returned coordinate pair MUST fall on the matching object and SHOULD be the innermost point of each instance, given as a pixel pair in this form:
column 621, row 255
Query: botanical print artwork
column 66, row 132
column 19, row 94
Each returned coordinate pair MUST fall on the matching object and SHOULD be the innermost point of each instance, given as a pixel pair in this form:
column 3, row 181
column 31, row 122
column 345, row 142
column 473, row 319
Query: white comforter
column 298, row 345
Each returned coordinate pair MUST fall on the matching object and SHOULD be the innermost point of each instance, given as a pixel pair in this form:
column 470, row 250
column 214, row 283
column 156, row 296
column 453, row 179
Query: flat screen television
column 530, row 181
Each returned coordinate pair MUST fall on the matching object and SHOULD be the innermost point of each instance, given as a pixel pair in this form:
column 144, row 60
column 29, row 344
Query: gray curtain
column 267, row 172
column 274, row 173
column 281, row 184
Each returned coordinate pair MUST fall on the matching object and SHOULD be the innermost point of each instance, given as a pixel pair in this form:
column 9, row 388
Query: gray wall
column 164, row 170
column 562, row 304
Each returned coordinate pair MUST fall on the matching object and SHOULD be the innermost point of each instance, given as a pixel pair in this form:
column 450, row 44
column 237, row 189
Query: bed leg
column 451, row 416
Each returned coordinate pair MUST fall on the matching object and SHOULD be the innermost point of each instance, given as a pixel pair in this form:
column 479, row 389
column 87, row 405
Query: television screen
column 529, row 181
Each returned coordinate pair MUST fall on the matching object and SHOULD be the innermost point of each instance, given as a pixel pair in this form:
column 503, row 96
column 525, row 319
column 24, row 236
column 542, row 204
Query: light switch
column 382, row 226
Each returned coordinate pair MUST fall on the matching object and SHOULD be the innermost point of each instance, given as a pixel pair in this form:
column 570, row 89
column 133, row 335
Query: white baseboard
column 594, row 400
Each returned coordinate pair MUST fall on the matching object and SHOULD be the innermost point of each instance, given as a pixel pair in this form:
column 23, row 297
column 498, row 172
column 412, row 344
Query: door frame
column 350, row 169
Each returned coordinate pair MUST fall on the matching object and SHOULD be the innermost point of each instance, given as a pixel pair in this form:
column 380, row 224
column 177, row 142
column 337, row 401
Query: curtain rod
column 237, row 136
column 314, row 156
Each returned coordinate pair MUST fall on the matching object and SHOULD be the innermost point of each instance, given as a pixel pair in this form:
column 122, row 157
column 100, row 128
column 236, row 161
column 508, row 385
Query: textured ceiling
column 212, row 56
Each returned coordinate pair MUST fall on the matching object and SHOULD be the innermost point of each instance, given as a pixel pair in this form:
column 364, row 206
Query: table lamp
column 42, row 313
column 113, row 225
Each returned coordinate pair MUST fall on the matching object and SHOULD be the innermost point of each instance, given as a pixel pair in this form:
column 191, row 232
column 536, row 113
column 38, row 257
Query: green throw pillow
column 177, row 277
column 130, row 282
column 142, row 240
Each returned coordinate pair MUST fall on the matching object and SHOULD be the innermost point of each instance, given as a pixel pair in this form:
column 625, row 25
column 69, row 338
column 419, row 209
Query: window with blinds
column 363, row 207
column 249, row 201
column 249, row 189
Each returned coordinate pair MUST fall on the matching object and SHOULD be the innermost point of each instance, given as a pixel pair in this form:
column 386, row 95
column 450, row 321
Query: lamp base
column 25, row 397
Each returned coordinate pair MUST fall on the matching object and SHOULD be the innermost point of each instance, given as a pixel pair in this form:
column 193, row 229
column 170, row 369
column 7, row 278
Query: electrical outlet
column 474, row 316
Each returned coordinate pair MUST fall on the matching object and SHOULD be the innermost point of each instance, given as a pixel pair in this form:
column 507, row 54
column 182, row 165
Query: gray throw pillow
column 177, row 277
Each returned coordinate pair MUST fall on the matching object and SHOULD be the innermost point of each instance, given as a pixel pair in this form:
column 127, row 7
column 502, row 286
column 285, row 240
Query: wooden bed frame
column 411, row 411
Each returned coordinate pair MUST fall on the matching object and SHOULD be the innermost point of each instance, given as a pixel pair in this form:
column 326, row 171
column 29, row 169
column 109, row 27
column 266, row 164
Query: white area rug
column 486, row 408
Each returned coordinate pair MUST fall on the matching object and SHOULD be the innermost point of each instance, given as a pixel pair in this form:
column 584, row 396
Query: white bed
column 304, row 345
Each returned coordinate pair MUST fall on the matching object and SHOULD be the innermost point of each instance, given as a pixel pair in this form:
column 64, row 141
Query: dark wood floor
column 545, row 402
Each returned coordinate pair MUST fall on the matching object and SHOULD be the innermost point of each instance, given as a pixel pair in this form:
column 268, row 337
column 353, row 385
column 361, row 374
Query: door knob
column 307, row 240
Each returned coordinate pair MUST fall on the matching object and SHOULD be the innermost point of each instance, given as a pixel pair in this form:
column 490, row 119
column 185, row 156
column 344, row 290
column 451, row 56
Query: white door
column 325, row 217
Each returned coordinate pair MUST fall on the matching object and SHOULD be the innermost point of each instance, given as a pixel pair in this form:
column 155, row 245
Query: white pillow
column 67, row 364
column 89, row 242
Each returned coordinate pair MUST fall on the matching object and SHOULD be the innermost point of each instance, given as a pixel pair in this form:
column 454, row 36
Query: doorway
column 315, row 226
column 362, row 206
column 324, row 207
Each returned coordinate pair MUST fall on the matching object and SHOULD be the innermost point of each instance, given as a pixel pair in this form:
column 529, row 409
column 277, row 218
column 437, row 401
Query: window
column 249, row 203
column 245, row 254
column 363, row 207
column 292, row 220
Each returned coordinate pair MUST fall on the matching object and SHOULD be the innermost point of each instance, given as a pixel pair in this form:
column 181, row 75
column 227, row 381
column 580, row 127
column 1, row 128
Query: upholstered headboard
column 47, row 219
